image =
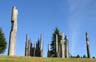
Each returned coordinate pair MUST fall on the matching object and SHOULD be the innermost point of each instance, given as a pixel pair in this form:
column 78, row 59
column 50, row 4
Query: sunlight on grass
column 40, row 59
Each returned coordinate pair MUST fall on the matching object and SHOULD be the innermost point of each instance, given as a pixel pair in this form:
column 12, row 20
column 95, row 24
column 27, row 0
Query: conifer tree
column 2, row 42
column 53, row 43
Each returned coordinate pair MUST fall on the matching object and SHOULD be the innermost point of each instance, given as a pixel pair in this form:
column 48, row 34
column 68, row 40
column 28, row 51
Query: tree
column 84, row 56
column 93, row 57
column 48, row 54
column 2, row 42
column 37, row 49
column 78, row 56
column 53, row 45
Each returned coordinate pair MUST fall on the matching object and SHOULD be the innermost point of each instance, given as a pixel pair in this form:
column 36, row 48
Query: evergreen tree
column 78, row 56
column 2, row 42
column 93, row 57
column 48, row 54
column 37, row 49
column 53, row 43
column 84, row 56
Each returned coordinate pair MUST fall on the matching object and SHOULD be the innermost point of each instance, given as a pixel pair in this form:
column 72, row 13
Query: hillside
column 39, row 59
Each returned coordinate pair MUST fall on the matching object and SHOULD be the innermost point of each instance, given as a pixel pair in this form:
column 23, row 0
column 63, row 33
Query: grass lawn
column 40, row 59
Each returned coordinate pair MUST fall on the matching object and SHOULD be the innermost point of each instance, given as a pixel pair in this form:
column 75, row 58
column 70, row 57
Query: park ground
column 40, row 59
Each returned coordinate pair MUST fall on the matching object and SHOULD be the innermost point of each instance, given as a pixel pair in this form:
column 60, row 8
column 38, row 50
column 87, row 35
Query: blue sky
column 73, row 17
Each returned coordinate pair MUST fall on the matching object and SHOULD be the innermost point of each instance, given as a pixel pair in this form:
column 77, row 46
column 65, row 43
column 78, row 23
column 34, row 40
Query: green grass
column 40, row 59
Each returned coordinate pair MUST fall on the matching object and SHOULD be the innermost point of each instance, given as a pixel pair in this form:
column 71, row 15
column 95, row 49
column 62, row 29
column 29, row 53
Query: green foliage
column 2, row 42
column 84, row 56
column 93, row 57
column 37, row 49
column 53, row 42
column 48, row 53
column 78, row 56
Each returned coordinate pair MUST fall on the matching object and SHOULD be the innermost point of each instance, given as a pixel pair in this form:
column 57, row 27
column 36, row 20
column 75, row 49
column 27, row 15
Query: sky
column 73, row 17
